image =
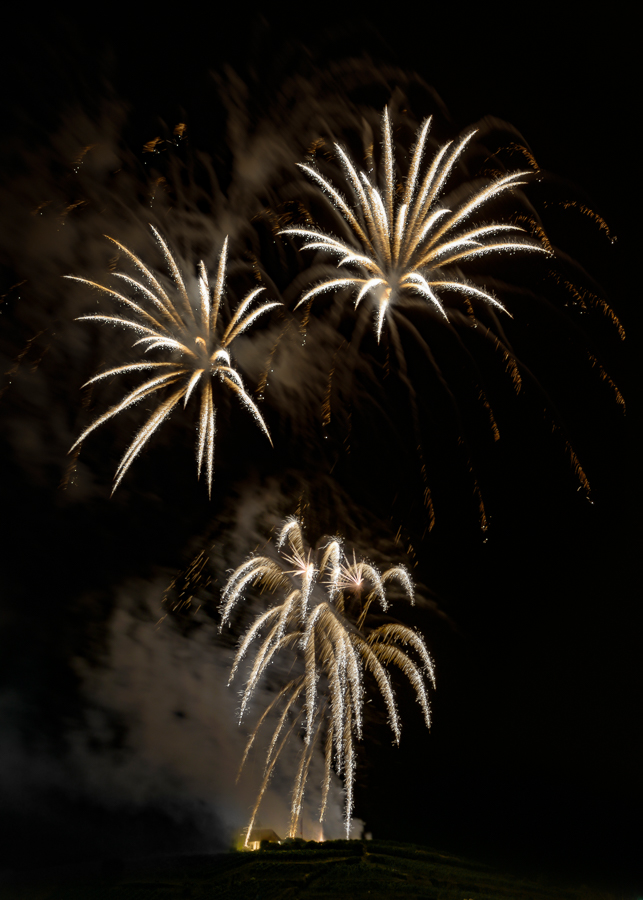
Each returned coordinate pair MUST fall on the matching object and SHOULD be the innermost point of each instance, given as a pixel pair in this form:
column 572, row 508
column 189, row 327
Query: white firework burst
column 326, row 599
column 197, row 342
column 411, row 244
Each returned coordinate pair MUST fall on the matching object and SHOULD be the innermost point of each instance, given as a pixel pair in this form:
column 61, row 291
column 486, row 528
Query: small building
column 256, row 836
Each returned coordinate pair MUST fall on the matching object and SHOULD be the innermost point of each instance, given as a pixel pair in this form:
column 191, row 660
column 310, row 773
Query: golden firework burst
column 411, row 244
column 322, row 618
column 193, row 335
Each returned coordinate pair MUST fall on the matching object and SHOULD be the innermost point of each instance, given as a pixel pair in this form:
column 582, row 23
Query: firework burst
column 322, row 619
column 404, row 241
column 195, row 339
column 411, row 244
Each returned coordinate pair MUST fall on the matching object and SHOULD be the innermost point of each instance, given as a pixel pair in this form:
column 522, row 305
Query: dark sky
column 534, row 756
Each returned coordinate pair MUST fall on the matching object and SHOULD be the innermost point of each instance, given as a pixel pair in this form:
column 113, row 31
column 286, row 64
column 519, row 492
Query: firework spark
column 411, row 244
column 322, row 617
column 196, row 341
column 404, row 241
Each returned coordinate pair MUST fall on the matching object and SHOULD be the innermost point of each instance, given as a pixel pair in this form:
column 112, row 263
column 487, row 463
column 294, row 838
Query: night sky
column 118, row 736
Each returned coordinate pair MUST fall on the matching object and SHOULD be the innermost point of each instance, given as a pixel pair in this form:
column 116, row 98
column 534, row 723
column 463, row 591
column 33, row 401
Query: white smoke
column 182, row 743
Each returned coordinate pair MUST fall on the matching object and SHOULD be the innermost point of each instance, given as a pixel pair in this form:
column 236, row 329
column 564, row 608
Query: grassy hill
column 356, row 869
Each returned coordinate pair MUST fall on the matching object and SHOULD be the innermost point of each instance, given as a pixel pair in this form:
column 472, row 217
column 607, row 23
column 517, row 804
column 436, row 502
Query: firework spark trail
column 332, row 649
column 410, row 247
column 409, row 241
column 199, row 353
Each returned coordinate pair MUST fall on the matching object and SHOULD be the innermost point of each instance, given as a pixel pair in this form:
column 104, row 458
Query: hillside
column 356, row 869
